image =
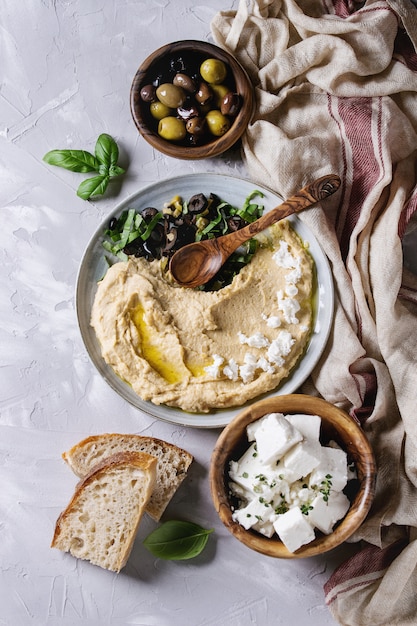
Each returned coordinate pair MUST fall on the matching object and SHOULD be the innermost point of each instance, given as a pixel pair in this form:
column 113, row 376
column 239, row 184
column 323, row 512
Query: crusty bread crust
column 101, row 520
column 172, row 462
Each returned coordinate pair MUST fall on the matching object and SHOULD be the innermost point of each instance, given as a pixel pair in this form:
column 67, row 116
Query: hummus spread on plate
column 201, row 350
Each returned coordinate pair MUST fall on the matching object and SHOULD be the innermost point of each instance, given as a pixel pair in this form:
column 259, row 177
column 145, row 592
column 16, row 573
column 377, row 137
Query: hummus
column 201, row 350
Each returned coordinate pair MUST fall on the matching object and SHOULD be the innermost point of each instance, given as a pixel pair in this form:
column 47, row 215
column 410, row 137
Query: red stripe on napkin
column 360, row 128
column 361, row 569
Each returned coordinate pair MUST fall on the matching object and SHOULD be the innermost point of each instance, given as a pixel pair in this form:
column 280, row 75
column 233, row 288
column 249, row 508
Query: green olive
column 213, row 71
column 218, row 124
column 159, row 110
column 219, row 92
column 171, row 95
column 172, row 129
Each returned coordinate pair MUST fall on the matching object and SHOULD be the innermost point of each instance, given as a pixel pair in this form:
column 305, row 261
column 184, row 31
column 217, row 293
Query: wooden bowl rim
column 217, row 145
column 310, row 405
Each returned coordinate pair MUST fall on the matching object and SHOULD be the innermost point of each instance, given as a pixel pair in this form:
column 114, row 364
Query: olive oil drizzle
column 151, row 351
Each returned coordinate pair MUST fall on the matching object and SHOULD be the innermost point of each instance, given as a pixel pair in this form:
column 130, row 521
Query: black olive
column 171, row 239
column 214, row 203
column 197, row 203
column 148, row 93
column 187, row 111
column 148, row 213
column 113, row 223
column 204, row 93
column 151, row 252
column 134, row 248
column 185, row 234
column 235, row 223
column 157, row 235
column 194, row 140
column 177, row 64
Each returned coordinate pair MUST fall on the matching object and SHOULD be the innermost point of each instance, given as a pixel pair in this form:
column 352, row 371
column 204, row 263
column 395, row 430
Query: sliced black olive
column 214, row 203
column 151, row 251
column 148, row 213
column 134, row 248
column 235, row 223
column 177, row 64
column 170, row 240
column 157, row 236
column 185, row 234
column 197, row 203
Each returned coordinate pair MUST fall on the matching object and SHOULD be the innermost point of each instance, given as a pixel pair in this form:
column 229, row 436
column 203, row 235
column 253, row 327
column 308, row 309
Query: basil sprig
column 103, row 161
column 177, row 540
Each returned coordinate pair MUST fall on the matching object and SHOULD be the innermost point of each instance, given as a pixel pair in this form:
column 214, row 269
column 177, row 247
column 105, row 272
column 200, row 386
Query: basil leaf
column 106, row 150
column 94, row 186
column 115, row 170
column 177, row 540
column 74, row 160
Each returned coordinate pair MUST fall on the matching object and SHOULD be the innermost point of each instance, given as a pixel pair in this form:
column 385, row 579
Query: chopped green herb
column 326, row 487
column 281, row 508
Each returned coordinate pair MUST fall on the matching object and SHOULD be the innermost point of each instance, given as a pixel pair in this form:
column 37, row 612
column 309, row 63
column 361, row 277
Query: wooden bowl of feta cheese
column 292, row 476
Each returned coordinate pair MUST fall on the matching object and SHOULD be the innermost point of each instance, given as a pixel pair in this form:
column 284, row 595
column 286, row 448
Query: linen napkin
column 336, row 92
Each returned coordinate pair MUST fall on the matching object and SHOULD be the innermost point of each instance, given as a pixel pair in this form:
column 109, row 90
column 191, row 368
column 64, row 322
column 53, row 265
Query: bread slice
column 102, row 518
column 172, row 466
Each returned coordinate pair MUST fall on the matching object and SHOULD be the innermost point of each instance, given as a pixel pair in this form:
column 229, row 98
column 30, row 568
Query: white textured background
column 66, row 69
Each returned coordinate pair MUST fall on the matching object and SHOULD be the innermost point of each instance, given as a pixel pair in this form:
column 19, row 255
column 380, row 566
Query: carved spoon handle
column 308, row 195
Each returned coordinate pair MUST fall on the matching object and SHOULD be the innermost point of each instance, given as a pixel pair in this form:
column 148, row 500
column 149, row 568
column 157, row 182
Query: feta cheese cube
column 274, row 437
column 256, row 511
column 303, row 458
column 266, row 529
column 256, row 478
column 240, row 492
column 324, row 515
column 293, row 529
column 246, row 468
column 308, row 425
column 253, row 427
column 333, row 462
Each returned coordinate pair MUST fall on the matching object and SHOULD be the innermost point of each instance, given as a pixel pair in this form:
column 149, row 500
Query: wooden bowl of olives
column 191, row 100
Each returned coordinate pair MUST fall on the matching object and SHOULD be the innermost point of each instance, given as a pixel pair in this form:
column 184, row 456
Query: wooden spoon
column 196, row 263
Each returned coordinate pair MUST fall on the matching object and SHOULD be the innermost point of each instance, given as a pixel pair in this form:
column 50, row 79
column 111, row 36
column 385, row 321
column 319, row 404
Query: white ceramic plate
column 233, row 190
